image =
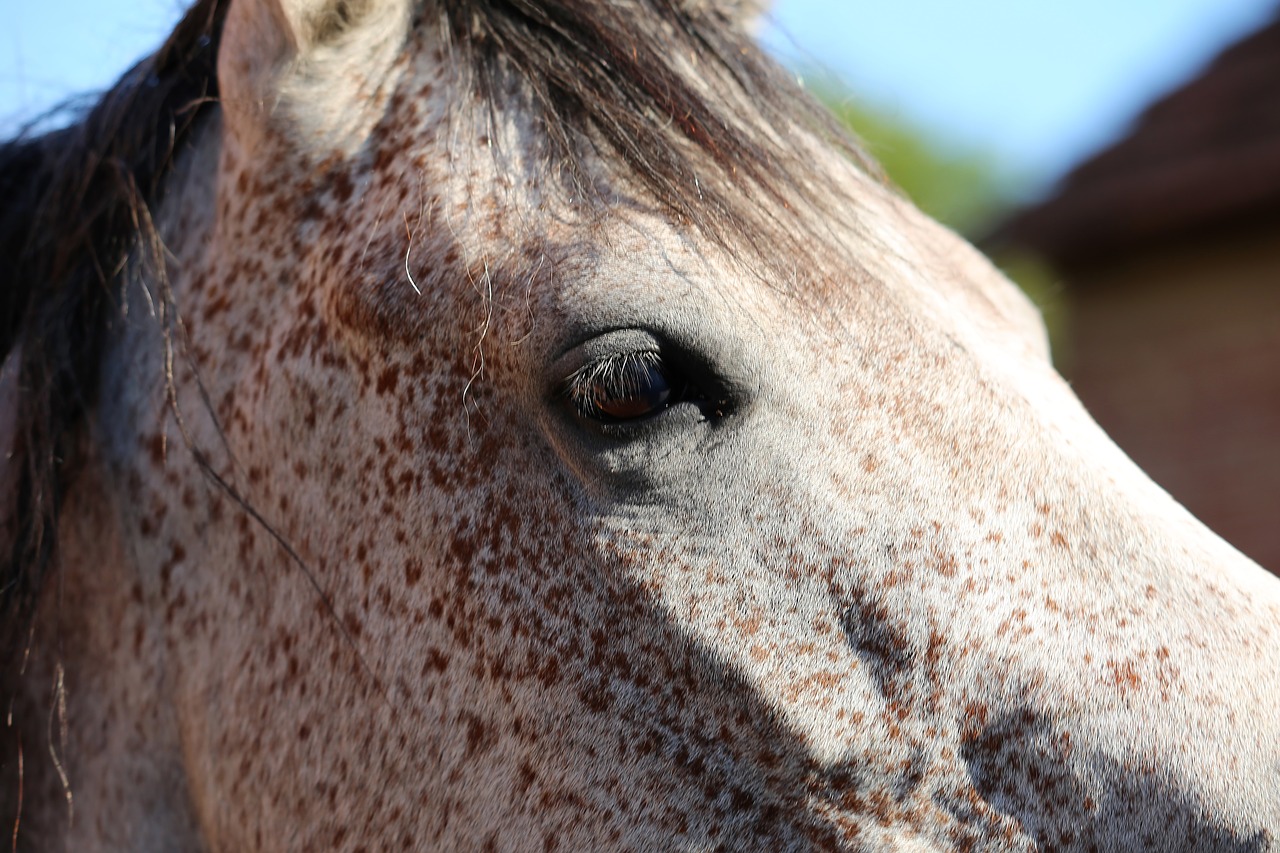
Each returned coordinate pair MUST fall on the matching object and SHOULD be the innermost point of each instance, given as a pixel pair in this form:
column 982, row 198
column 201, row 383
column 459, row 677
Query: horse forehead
column 432, row 162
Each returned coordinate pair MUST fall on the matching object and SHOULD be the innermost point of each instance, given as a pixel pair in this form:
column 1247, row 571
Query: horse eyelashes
column 623, row 387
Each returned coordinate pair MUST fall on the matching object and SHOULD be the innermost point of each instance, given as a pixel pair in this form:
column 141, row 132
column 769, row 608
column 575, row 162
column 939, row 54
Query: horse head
column 534, row 424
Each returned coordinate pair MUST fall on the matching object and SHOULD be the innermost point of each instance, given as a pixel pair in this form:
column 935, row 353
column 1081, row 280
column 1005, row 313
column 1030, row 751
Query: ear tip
column 744, row 12
column 285, row 62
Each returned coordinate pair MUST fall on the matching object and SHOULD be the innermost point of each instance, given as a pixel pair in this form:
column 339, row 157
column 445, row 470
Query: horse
column 535, row 424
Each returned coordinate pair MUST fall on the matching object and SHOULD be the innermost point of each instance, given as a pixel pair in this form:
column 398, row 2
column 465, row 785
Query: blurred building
column 1169, row 246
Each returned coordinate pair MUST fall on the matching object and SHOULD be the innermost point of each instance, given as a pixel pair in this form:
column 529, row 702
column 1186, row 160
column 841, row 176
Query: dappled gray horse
column 530, row 424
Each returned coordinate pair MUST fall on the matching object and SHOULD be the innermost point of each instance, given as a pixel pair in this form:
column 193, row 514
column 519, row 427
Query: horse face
column 562, row 528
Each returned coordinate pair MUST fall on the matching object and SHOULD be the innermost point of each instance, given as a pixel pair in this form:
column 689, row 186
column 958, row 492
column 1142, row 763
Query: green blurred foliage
column 962, row 186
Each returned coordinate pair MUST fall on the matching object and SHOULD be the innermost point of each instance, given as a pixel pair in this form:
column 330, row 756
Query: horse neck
column 101, row 752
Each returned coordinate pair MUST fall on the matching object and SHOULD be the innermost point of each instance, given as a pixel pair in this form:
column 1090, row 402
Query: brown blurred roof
column 1206, row 154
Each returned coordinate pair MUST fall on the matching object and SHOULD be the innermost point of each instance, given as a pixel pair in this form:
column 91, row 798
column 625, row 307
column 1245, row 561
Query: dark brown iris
column 625, row 387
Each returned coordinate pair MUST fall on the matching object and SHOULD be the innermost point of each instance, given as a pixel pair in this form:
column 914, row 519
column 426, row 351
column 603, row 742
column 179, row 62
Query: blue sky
column 1037, row 83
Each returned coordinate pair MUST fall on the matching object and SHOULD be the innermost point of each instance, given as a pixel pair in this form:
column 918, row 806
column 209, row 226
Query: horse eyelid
column 618, row 373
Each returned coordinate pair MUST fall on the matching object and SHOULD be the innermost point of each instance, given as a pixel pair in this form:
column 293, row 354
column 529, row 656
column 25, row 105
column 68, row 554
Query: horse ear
column 745, row 13
column 748, row 12
column 309, row 68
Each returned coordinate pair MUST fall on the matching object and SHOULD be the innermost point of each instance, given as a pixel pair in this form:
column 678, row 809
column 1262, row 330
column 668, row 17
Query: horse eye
column 620, row 388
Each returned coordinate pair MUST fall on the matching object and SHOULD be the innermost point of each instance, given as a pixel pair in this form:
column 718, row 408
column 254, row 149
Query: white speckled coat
column 849, row 568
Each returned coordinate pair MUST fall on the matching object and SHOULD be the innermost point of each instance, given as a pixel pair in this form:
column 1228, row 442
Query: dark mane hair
column 628, row 79
column 78, row 201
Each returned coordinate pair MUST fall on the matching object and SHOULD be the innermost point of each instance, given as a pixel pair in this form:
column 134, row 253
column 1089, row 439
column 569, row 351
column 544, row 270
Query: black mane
column 77, row 204
column 655, row 86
